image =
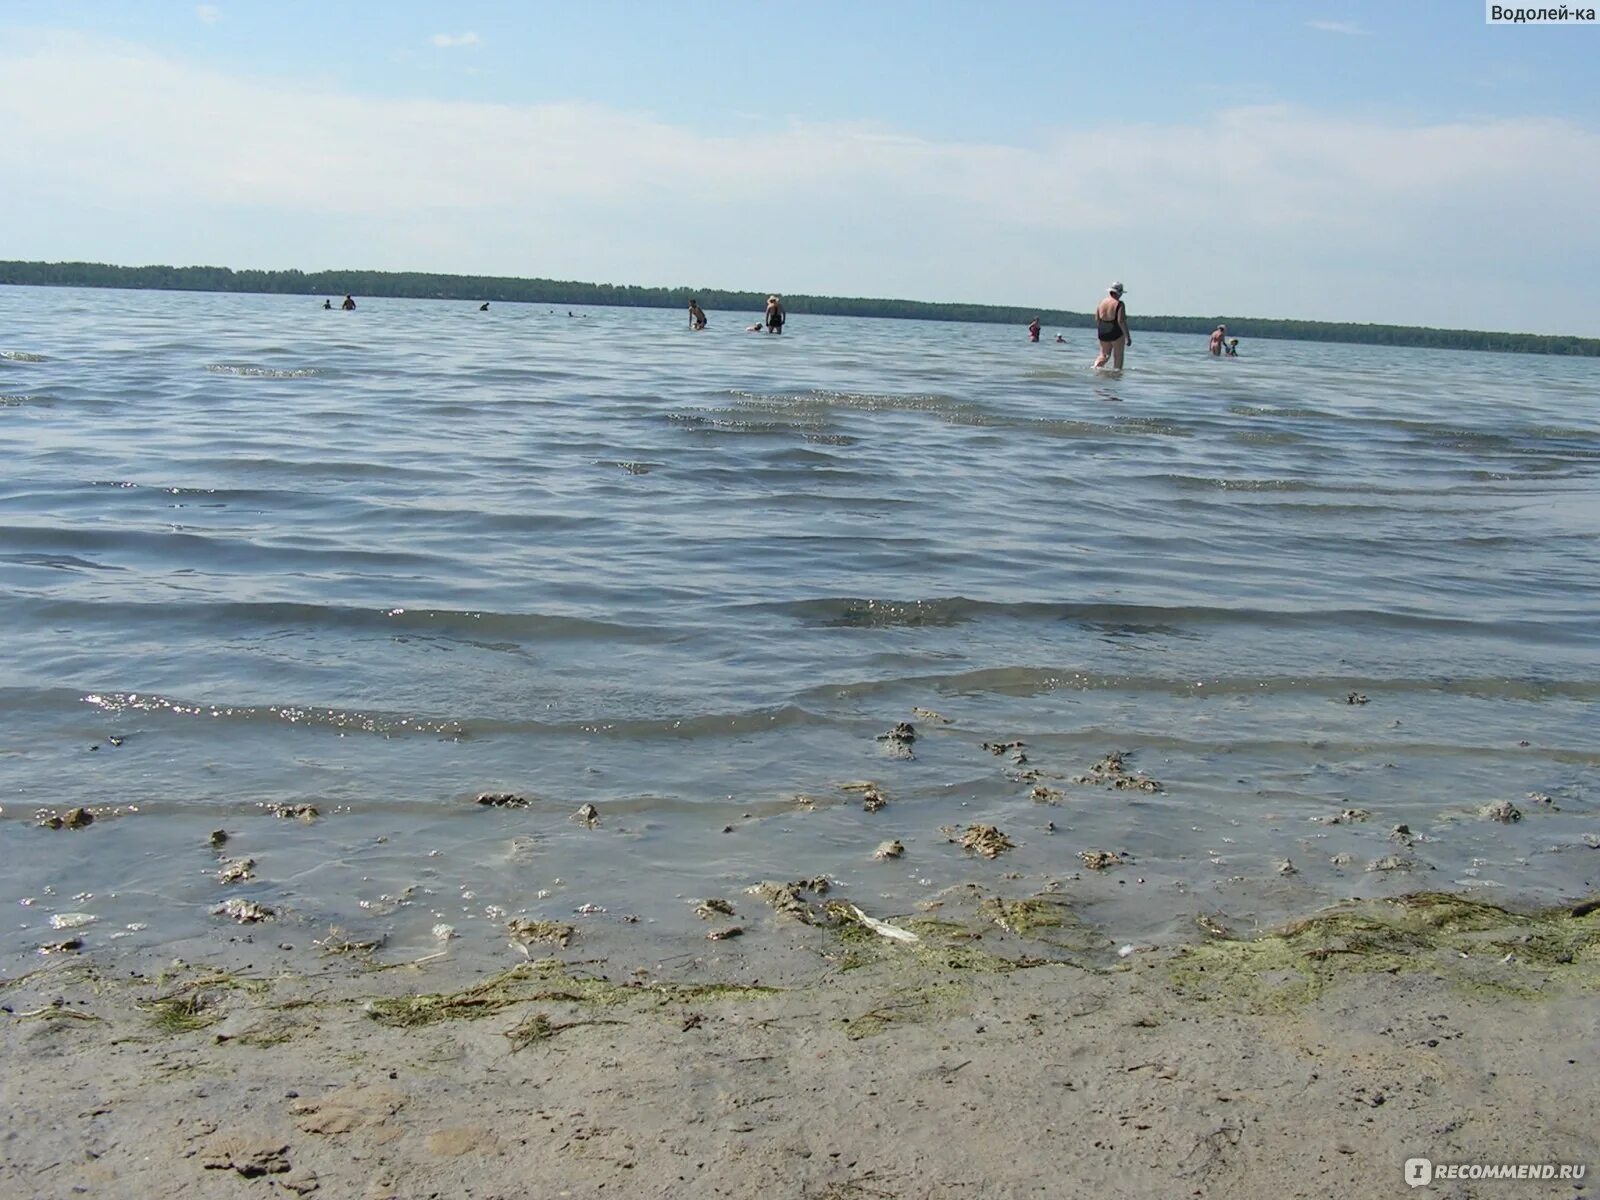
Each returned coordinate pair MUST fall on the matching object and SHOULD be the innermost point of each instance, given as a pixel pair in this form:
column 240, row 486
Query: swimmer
column 697, row 316
column 1218, row 336
column 327, row 305
column 775, row 315
column 1232, row 348
column 349, row 304
column 1060, row 340
column 1033, row 330
column 484, row 307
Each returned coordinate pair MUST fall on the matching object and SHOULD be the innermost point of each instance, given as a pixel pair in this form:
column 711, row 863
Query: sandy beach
column 1311, row 1062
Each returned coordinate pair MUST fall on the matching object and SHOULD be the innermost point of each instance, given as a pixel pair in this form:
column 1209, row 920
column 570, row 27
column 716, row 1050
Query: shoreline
column 1313, row 1061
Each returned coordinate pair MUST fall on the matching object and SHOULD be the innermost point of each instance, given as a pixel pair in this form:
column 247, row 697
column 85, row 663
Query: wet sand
column 1312, row 1062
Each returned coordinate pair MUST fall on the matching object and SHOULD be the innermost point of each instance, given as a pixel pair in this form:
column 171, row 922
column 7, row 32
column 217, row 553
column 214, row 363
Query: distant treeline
column 416, row 285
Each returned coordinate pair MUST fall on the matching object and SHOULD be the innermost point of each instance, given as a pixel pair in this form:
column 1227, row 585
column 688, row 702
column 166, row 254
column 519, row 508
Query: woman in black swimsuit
column 1111, row 327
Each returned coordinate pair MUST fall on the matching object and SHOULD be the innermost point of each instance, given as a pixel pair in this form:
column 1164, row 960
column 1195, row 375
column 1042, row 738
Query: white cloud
column 208, row 13
column 1348, row 28
column 448, row 41
column 1266, row 209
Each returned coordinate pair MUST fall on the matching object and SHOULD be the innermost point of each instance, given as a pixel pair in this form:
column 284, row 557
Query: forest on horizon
column 425, row 286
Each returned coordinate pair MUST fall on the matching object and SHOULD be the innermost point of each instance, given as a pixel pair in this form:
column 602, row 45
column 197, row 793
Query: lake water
column 252, row 552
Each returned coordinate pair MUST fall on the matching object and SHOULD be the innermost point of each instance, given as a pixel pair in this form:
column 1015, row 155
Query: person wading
column 1111, row 326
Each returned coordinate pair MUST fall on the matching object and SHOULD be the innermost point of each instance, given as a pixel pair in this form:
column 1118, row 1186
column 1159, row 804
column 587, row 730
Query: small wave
column 250, row 371
column 1215, row 483
column 60, row 562
column 870, row 613
column 390, row 724
column 465, row 625
column 1033, row 681
column 22, row 356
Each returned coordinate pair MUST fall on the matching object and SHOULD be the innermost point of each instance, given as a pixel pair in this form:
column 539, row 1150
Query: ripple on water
column 420, row 559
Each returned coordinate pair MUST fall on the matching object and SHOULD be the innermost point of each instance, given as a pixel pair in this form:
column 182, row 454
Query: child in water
column 1232, row 348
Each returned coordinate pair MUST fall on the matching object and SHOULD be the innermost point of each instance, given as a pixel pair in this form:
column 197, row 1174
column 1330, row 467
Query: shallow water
column 383, row 561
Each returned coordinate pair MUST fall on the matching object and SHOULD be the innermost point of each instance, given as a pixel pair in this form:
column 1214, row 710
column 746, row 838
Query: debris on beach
column 72, row 920
column 872, row 797
column 1402, row 834
column 1391, row 862
column 293, row 812
column 1504, row 812
column 897, row 742
column 587, row 816
column 1113, row 770
column 927, row 714
column 888, row 850
column 981, row 839
column 1287, row 867
column 539, row 1028
column 73, row 818
column 1347, row 817
column 999, row 748
column 845, row 911
column 525, row 932
column 250, row 1157
column 1540, row 798
column 246, row 912
column 789, row 898
column 1341, row 860
column 589, row 910
column 1212, row 925
column 1355, row 698
column 66, row 946
column 502, row 800
column 340, row 942
column 219, row 838
column 1042, row 794
column 1101, row 860
column 722, row 935
column 237, row 870
column 713, row 907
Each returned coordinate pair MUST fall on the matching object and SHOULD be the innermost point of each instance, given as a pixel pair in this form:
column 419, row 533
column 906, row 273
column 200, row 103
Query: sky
column 1398, row 162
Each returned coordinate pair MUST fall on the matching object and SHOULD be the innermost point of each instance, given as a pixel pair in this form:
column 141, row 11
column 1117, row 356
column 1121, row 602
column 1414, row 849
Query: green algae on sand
column 544, row 980
column 1478, row 946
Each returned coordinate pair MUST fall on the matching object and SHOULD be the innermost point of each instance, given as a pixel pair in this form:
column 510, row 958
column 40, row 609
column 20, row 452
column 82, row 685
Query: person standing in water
column 1033, row 330
column 1219, row 335
column 775, row 315
column 349, row 304
column 1111, row 327
column 327, row 305
column 697, row 317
